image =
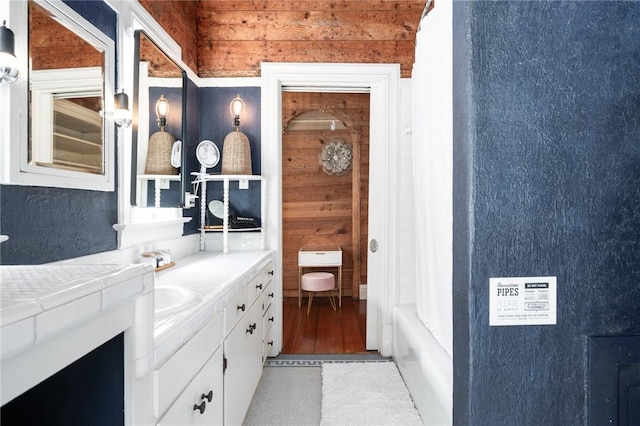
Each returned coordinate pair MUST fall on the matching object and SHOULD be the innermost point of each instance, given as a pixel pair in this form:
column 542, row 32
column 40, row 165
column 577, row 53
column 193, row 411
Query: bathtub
column 426, row 367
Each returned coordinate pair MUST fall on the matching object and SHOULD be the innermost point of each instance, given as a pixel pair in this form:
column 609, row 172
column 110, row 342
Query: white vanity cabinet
column 243, row 359
column 210, row 377
column 243, row 349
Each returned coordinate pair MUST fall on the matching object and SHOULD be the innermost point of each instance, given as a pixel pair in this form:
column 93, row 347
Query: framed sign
column 522, row 301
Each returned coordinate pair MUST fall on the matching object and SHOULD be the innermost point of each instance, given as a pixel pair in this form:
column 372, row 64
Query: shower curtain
column 432, row 169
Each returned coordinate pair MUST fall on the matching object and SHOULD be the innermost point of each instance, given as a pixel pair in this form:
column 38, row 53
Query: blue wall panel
column 98, row 13
column 547, row 182
column 49, row 224
column 215, row 123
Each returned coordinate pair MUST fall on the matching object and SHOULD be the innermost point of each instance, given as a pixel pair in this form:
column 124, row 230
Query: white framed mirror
column 157, row 132
column 66, row 138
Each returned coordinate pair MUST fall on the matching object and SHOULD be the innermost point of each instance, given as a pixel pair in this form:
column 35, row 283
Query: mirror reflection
column 158, row 127
column 66, row 89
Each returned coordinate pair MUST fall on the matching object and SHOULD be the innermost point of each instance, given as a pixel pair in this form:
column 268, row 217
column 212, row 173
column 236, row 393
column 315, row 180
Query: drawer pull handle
column 270, row 294
column 208, row 396
column 270, row 343
column 251, row 328
column 271, row 272
column 200, row 407
column 271, row 319
column 241, row 307
column 259, row 286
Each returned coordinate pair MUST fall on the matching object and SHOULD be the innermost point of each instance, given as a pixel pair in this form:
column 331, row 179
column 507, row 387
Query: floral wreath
column 335, row 158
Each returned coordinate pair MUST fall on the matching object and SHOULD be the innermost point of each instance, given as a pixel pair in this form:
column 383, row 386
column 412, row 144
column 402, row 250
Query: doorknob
column 373, row 245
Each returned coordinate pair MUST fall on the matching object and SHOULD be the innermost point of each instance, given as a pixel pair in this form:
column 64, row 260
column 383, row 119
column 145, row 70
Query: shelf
column 156, row 177
column 161, row 182
column 220, row 229
column 220, row 178
column 225, row 179
column 76, row 141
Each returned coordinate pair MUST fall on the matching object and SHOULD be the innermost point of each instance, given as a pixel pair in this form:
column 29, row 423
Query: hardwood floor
column 324, row 331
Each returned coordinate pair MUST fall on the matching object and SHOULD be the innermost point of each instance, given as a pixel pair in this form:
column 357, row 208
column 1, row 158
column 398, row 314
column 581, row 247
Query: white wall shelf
column 202, row 179
column 161, row 182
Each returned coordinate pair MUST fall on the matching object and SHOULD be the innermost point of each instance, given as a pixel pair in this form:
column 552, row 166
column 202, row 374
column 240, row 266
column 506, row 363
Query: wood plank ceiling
column 230, row 38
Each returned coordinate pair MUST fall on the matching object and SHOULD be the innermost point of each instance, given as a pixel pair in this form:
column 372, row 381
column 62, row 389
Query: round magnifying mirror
column 217, row 208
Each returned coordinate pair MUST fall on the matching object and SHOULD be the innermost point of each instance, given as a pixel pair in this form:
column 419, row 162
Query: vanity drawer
column 255, row 287
column 172, row 376
column 268, row 296
column 268, row 272
column 235, row 309
column 267, row 321
column 204, row 391
column 268, row 345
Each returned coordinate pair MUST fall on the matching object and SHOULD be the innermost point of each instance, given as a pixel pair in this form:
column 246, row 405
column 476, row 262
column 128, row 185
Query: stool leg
column 332, row 300
column 309, row 304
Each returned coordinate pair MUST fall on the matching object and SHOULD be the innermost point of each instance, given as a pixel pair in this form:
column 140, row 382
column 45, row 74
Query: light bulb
column 236, row 107
column 8, row 62
column 8, row 68
column 162, row 109
column 122, row 115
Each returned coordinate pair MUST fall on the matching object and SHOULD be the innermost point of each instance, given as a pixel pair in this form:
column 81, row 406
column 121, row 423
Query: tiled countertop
column 39, row 301
column 216, row 277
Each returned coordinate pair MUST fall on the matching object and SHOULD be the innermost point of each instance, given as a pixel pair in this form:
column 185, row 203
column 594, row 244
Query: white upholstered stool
column 314, row 282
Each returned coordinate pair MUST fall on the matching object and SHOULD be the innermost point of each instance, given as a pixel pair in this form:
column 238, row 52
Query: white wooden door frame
column 383, row 83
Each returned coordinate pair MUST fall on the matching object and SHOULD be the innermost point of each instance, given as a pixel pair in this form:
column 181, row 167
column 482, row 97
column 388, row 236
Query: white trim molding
column 382, row 81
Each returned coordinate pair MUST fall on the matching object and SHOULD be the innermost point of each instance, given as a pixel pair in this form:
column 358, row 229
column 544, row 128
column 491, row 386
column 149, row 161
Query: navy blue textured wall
column 98, row 13
column 49, row 224
column 546, row 182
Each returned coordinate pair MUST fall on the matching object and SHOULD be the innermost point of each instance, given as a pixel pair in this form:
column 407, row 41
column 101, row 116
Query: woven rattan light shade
column 236, row 154
column 159, row 154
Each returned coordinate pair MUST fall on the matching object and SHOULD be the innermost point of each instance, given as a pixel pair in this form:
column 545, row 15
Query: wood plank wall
column 53, row 46
column 179, row 19
column 230, row 38
column 317, row 209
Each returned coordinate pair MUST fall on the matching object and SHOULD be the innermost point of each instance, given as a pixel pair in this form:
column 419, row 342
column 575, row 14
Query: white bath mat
column 367, row 393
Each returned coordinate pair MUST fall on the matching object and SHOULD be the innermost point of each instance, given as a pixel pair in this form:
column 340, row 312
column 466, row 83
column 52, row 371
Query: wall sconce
column 236, row 149
column 163, row 151
column 122, row 115
column 8, row 62
column 162, row 110
column 237, row 108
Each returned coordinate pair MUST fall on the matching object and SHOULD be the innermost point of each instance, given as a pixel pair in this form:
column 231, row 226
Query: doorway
column 383, row 83
column 325, row 187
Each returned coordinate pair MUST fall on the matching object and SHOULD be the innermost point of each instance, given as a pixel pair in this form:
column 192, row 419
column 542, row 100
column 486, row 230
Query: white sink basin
column 172, row 299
